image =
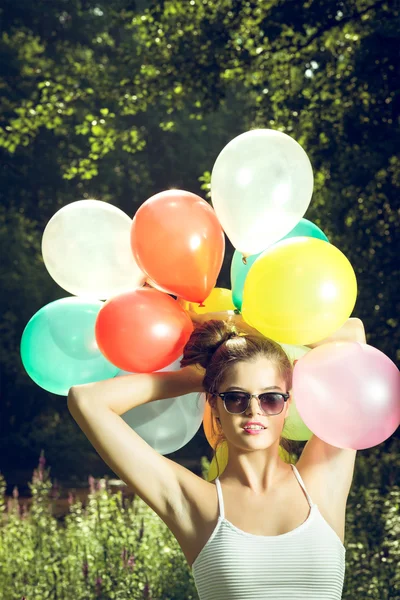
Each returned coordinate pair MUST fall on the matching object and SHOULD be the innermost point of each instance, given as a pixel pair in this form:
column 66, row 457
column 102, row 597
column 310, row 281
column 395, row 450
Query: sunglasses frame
column 285, row 396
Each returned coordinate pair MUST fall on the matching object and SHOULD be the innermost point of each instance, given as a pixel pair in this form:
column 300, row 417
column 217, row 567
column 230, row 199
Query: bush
column 119, row 548
column 112, row 548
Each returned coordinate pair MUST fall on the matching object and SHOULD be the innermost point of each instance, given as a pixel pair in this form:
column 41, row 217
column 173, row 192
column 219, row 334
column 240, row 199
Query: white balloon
column 86, row 249
column 261, row 186
column 295, row 352
column 167, row 425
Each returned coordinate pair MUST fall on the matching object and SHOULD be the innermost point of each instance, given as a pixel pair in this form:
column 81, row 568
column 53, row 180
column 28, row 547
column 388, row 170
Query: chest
column 272, row 514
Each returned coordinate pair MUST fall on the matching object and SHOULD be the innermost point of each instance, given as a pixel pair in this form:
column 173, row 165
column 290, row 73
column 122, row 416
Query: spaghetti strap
column 301, row 482
column 220, row 499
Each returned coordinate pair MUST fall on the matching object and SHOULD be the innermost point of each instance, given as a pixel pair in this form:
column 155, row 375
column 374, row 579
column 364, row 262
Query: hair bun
column 205, row 341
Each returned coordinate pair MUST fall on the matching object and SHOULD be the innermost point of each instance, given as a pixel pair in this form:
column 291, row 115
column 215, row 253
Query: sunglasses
column 271, row 403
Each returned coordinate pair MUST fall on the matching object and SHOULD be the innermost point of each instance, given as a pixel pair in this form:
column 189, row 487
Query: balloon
column 261, row 186
column 239, row 270
column 143, row 330
column 220, row 299
column 299, row 291
column 155, row 286
column 179, row 243
column 169, row 424
column 294, row 427
column 295, row 352
column 306, row 228
column 59, row 349
column 221, row 455
column 348, row 394
column 86, row 250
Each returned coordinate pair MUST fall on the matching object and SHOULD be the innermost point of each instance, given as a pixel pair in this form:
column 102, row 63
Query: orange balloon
column 142, row 331
column 179, row 243
column 208, row 420
column 156, row 287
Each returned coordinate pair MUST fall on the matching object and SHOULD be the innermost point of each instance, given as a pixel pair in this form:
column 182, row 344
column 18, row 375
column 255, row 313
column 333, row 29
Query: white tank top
column 305, row 563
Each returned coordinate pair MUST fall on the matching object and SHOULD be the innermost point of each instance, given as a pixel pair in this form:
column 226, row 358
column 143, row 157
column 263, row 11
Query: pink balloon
column 348, row 394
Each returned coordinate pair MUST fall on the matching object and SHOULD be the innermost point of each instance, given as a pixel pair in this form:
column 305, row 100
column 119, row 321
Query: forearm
column 126, row 392
column 351, row 331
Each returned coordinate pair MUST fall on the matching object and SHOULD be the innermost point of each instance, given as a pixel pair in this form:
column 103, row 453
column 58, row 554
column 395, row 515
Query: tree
column 110, row 101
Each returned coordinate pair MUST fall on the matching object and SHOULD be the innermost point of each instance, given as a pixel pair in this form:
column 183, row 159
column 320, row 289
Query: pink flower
column 98, row 583
column 131, row 562
column 85, row 569
column 91, row 484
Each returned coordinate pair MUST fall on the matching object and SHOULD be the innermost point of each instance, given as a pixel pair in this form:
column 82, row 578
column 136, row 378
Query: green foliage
column 111, row 548
column 118, row 548
column 118, row 102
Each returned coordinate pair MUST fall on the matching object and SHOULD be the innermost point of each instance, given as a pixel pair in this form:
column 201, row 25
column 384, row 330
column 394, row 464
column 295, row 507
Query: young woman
column 265, row 528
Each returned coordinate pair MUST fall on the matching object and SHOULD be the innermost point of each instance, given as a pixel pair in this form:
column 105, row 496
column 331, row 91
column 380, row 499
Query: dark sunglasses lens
column 236, row 402
column 272, row 403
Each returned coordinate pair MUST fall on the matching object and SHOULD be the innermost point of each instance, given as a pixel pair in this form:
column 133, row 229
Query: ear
column 212, row 402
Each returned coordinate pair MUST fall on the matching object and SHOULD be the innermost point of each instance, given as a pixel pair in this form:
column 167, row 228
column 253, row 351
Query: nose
column 254, row 406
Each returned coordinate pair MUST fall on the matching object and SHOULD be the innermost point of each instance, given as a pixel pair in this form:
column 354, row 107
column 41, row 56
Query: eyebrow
column 236, row 387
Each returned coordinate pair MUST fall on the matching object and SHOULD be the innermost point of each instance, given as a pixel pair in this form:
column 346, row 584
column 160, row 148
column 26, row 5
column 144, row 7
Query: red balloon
column 179, row 243
column 143, row 330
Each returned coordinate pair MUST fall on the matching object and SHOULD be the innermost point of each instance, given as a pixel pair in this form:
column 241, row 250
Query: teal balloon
column 306, row 228
column 239, row 270
column 59, row 349
column 239, row 273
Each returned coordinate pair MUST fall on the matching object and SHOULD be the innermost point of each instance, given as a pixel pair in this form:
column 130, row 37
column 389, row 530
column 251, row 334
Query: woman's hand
column 352, row 331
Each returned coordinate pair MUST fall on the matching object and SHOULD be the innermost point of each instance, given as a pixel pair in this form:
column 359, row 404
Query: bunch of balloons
column 132, row 279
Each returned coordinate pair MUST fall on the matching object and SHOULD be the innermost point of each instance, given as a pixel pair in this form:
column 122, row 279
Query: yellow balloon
column 299, row 291
column 222, row 456
column 220, row 299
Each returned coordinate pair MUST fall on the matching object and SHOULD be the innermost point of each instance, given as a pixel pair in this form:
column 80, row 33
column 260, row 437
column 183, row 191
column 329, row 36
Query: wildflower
column 141, row 530
column 54, row 493
column 131, row 562
column 124, row 555
column 70, row 498
column 85, row 569
column 91, row 484
column 146, row 592
column 42, row 460
column 98, row 583
column 15, row 492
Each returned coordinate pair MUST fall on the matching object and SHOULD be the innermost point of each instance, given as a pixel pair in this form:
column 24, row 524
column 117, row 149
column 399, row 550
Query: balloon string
column 244, row 260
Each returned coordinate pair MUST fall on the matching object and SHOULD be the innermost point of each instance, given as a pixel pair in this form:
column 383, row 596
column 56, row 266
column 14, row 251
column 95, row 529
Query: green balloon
column 305, row 228
column 59, row 349
column 239, row 271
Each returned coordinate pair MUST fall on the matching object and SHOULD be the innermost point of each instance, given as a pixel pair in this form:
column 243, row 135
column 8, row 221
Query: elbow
column 73, row 396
